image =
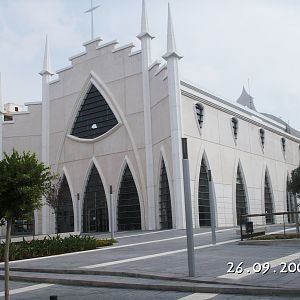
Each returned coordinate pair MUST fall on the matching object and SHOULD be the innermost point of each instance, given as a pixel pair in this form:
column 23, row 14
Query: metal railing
column 247, row 229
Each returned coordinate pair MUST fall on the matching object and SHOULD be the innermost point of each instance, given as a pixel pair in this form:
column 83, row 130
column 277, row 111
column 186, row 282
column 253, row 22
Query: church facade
column 114, row 118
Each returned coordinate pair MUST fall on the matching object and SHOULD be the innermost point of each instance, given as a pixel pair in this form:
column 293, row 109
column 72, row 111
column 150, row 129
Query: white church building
column 115, row 117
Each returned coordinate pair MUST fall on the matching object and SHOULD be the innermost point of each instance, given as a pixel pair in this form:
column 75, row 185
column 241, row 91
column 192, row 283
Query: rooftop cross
column 91, row 10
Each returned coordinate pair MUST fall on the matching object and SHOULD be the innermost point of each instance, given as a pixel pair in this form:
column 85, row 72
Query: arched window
column 95, row 213
column 268, row 200
column 234, row 124
column 129, row 213
column 165, row 208
column 65, row 212
column 200, row 114
column 240, row 196
column 203, row 196
column 94, row 117
column 262, row 137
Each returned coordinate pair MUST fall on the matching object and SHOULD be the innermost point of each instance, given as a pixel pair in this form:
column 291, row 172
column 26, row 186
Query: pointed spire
column 46, row 65
column 246, row 100
column 171, row 46
column 144, row 23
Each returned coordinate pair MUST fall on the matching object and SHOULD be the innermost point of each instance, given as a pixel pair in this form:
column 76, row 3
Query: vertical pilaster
column 145, row 38
column 46, row 75
column 172, row 59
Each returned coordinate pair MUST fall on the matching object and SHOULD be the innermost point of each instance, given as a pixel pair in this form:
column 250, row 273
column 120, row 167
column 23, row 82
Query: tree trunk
column 6, row 257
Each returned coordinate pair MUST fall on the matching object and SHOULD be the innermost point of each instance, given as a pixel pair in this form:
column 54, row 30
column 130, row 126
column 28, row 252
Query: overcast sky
column 224, row 42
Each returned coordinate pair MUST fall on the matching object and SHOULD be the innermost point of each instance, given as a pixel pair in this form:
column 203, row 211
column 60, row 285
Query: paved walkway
column 162, row 253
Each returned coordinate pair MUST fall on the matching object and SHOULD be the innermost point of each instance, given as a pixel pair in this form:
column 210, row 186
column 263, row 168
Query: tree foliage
column 23, row 181
column 294, row 182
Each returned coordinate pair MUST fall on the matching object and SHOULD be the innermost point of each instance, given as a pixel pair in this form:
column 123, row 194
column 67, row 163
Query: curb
column 221, row 289
column 287, row 242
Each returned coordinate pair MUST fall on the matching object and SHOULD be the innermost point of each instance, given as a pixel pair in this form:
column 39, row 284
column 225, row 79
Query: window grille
column 165, row 208
column 129, row 213
column 65, row 212
column 240, row 196
column 268, row 201
column 95, row 212
column 94, row 117
column 203, row 196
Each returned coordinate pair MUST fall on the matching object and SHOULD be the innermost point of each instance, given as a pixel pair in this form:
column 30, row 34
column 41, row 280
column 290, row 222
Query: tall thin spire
column 145, row 39
column 171, row 44
column 174, row 95
column 144, row 23
column 47, row 63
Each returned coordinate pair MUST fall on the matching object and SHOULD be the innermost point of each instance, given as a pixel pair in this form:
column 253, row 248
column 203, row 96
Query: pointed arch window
column 268, row 200
column 165, row 208
column 240, row 196
column 95, row 212
column 94, row 117
column 283, row 145
column 262, row 137
column 129, row 213
column 235, row 125
column 203, row 196
column 200, row 114
column 65, row 212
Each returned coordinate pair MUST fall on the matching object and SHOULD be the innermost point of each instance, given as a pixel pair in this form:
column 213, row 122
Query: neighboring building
column 10, row 109
column 116, row 118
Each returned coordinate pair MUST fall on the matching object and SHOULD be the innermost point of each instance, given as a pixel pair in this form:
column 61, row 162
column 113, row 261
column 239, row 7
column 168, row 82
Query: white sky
column 224, row 42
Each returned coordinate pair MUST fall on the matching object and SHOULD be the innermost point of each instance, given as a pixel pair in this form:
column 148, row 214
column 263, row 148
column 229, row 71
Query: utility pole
column 188, row 209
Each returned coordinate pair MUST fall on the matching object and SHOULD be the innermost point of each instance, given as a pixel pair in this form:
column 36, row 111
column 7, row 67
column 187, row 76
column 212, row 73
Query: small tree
column 294, row 182
column 23, row 181
column 54, row 194
column 294, row 187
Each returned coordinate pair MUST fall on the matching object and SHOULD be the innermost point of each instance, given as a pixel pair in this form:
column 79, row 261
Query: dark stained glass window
column 95, row 212
column 94, row 117
column 129, row 214
column 165, row 208
column 268, row 201
column 203, row 196
column 65, row 212
column 241, row 203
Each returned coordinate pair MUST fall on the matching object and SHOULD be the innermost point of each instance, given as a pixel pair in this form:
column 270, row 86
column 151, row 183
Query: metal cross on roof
column 91, row 10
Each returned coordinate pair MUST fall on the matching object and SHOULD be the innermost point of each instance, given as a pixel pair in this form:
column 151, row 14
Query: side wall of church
column 216, row 142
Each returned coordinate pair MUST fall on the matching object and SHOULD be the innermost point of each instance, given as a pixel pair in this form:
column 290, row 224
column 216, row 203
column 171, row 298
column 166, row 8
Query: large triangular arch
column 130, row 209
column 204, row 208
column 268, row 197
column 241, row 195
column 104, row 103
column 65, row 217
column 94, row 209
column 165, row 200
